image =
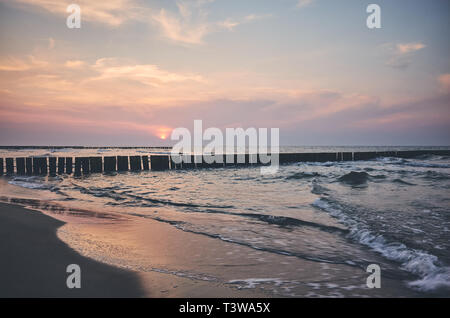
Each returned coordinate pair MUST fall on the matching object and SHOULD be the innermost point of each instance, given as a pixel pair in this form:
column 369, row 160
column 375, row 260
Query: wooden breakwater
column 107, row 164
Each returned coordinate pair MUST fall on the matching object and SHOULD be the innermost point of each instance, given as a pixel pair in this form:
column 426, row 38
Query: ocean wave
column 427, row 165
column 318, row 189
column 30, row 183
column 355, row 178
column 426, row 266
column 434, row 175
column 284, row 221
column 303, row 175
column 331, row 260
column 400, row 181
column 417, row 162
column 391, row 160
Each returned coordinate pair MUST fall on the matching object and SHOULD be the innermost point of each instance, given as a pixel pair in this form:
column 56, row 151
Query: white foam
column 254, row 282
column 414, row 261
column 29, row 183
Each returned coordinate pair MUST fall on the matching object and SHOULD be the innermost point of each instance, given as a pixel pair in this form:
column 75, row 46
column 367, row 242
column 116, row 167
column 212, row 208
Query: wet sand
column 34, row 261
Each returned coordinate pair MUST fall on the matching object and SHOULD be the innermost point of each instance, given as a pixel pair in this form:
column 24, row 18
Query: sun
column 163, row 136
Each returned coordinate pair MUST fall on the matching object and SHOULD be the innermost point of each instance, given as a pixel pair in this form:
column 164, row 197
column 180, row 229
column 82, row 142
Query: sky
column 137, row 69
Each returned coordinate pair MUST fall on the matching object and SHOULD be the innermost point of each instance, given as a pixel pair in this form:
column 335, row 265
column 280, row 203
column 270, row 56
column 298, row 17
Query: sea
column 309, row 230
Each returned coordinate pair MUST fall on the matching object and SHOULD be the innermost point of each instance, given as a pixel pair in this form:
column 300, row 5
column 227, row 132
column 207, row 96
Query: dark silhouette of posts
column 109, row 164
column 20, row 165
column 122, row 163
column 347, row 156
column 135, row 163
column 85, row 165
column 96, row 164
column 159, row 163
column 173, row 162
column 35, row 165
column 43, row 165
column 209, row 161
column 364, row 155
column 69, row 165
column 9, row 165
column 145, row 164
column 61, row 165
column 326, row 156
column 52, row 165
column 29, row 165
column 40, row 165
column 198, row 160
column 187, row 162
column 77, row 166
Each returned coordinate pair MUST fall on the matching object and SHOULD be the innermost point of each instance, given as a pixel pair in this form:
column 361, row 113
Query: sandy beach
column 33, row 261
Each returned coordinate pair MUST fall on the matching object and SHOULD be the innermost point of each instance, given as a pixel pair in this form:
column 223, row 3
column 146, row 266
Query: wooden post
column 52, row 165
column 77, row 166
column 20, row 165
column 198, row 160
column 173, row 162
column 187, row 162
column 41, row 165
column 35, row 165
column 69, row 165
column 347, row 156
column 85, row 165
column 9, row 165
column 209, row 161
column 96, row 164
column 145, row 164
column 135, row 163
column 122, row 163
column 29, row 165
column 159, row 163
column 109, row 164
column 61, row 164
column 364, row 155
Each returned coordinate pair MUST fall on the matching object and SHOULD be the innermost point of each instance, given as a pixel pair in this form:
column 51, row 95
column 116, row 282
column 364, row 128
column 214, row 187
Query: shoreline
column 34, row 261
column 35, row 258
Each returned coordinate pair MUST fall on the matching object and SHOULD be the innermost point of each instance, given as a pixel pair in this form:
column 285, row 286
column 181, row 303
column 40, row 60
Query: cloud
column 147, row 74
column 21, row 64
column 406, row 48
column 134, row 101
column 304, row 3
column 444, row 82
column 190, row 24
column 74, row 63
column 181, row 27
column 400, row 55
column 187, row 25
column 51, row 43
column 106, row 80
column 230, row 24
column 111, row 13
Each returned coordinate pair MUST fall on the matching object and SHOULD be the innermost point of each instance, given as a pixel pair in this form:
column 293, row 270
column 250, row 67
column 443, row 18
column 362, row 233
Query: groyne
column 157, row 162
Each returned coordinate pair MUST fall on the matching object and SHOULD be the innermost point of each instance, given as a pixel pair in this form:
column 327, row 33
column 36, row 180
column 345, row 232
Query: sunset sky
column 137, row 69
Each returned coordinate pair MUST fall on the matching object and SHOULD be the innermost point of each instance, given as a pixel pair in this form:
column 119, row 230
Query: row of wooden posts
column 86, row 165
column 81, row 165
